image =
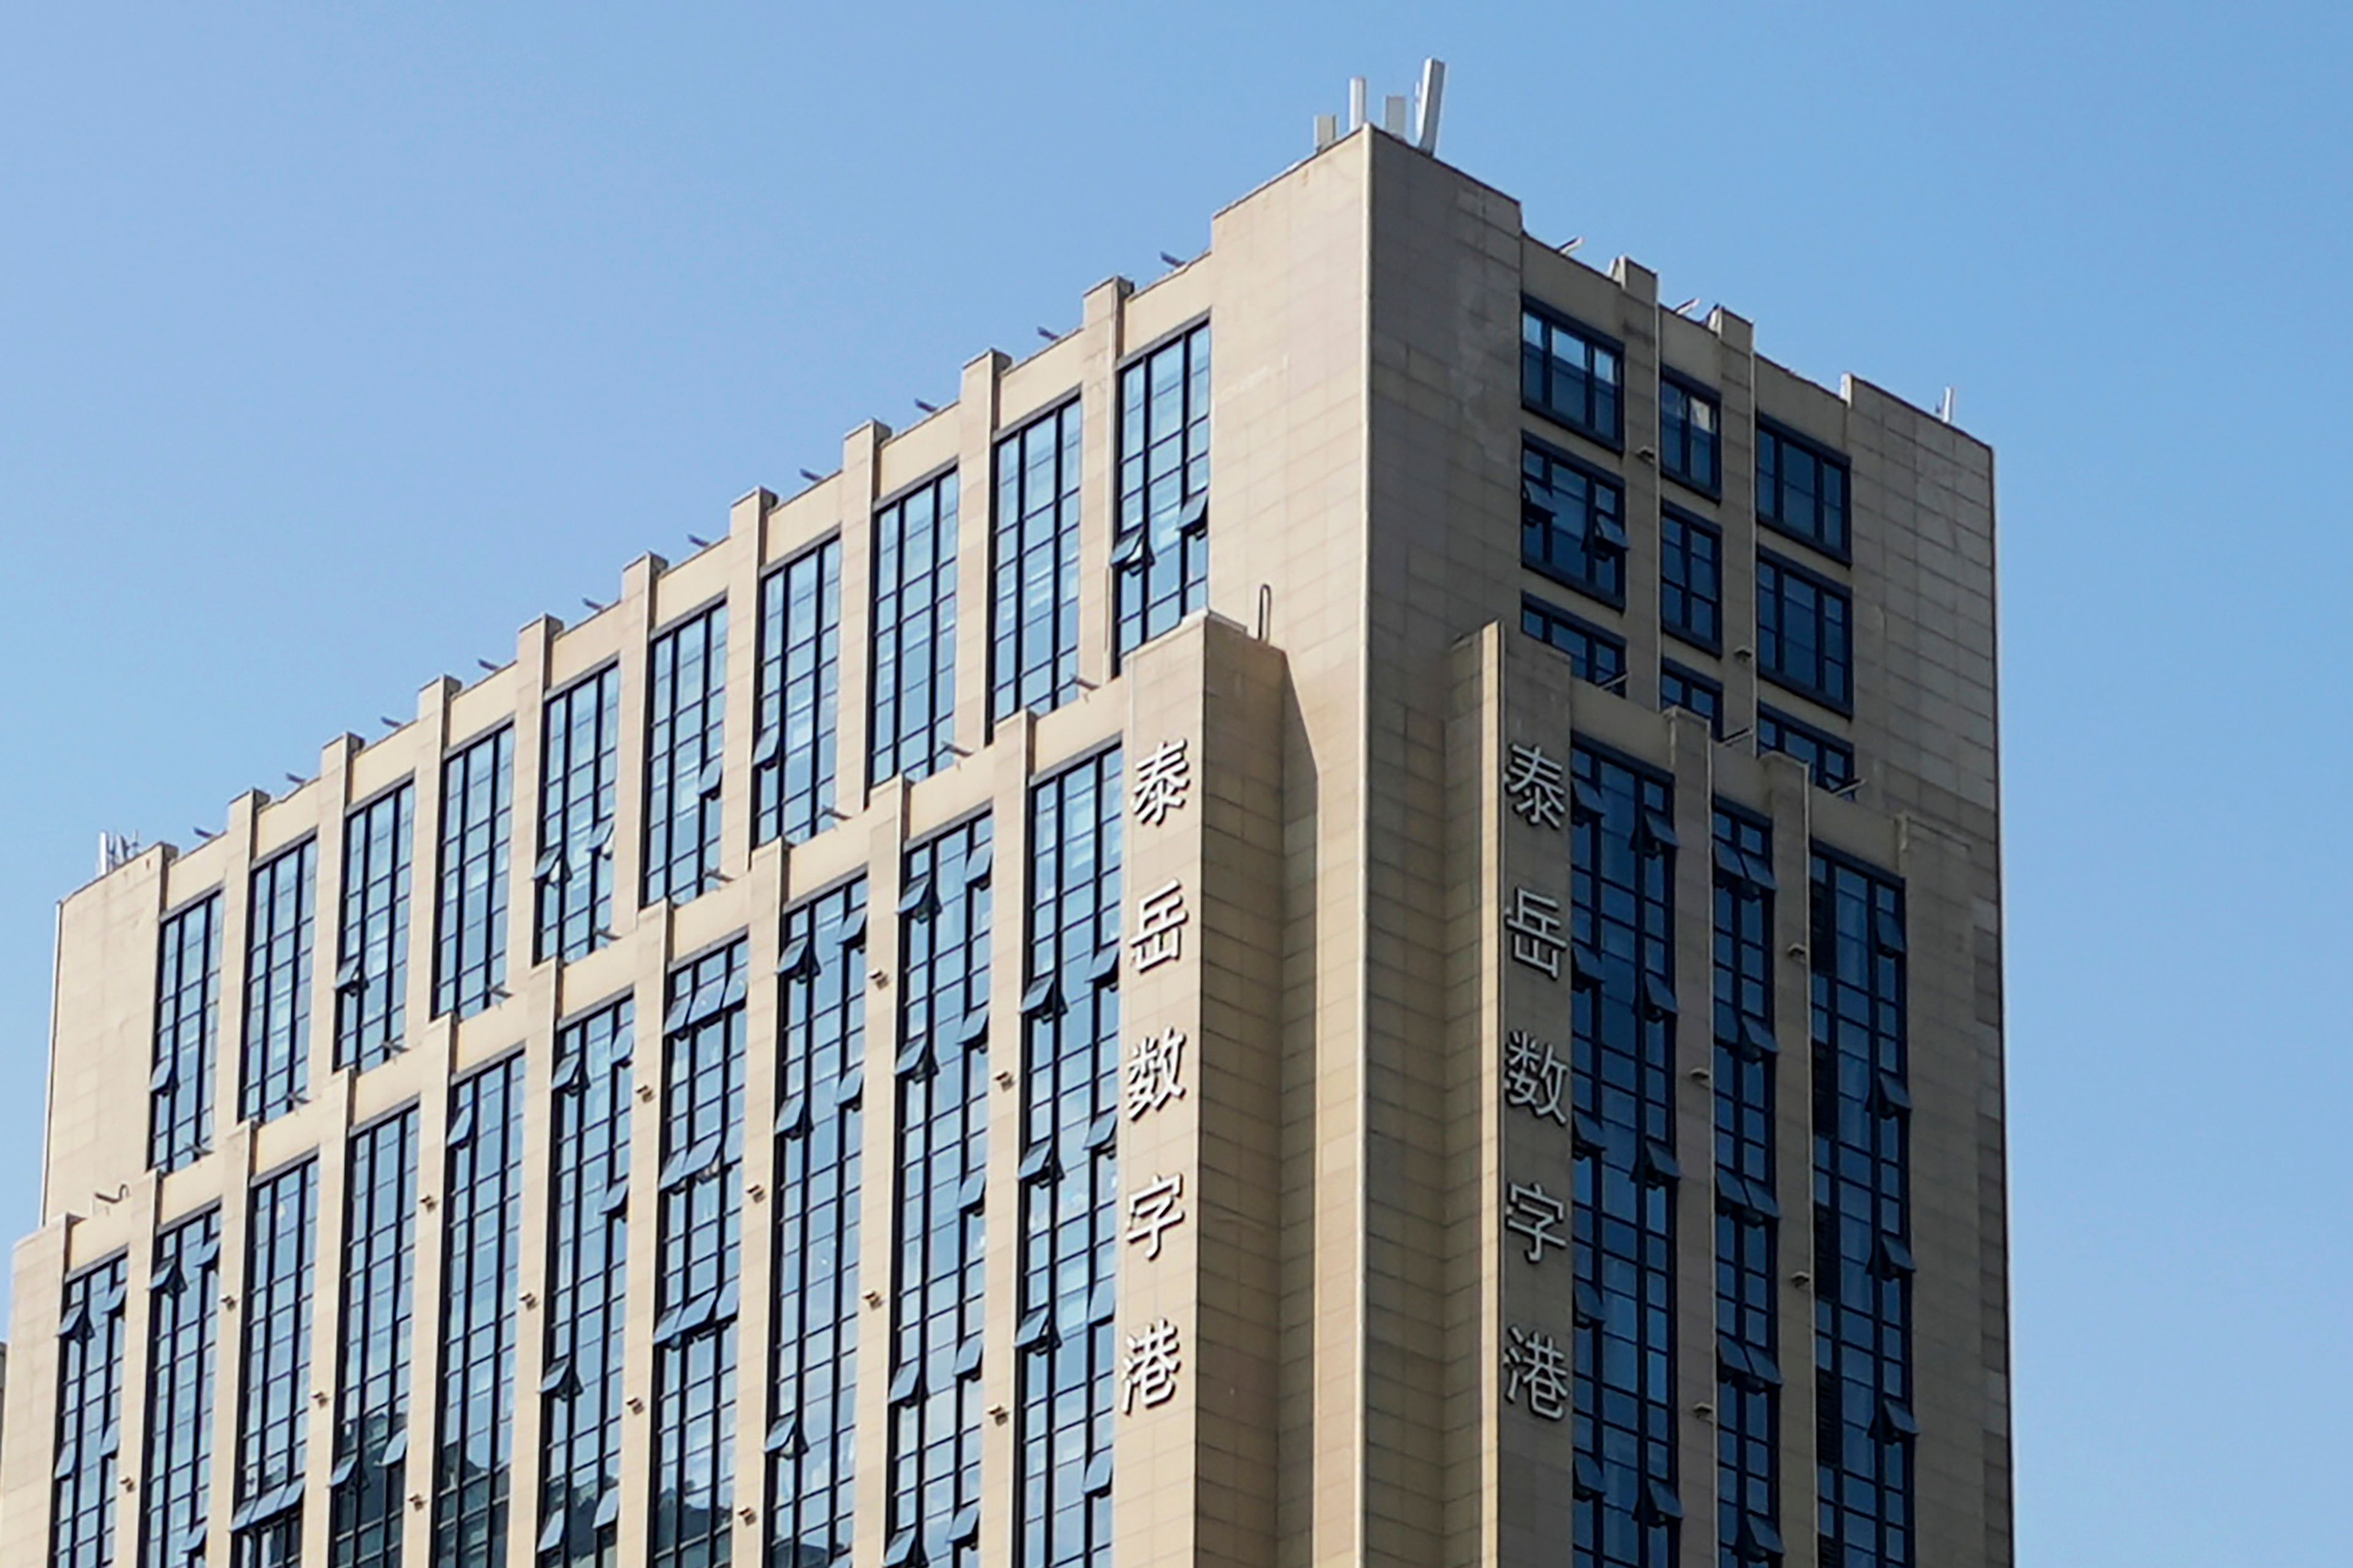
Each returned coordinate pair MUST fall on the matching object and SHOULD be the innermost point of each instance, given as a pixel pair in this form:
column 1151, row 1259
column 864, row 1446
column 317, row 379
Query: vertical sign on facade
column 1537, row 1376
column 1153, row 1355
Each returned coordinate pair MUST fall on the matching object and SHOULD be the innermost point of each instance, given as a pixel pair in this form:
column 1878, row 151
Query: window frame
column 1600, row 635
column 591, row 858
column 1555, row 320
column 469, row 924
column 1840, row 549
column 1051, row 529
column 912, row 755
column 789, row 659
column 270, row 1085
column 1670, row 670
column 1819, row 737
column 1825, row 589
column 676, row 880
column 1132, row 599
column 1611, row 593
column 1671, row 513
column 1698, row 391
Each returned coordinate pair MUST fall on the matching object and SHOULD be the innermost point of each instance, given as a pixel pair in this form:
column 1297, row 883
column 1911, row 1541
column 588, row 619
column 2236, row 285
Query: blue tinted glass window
column 379, row 1283
column 183, row 1351
column 813, row 1395
column 1070, row 1193
column 699, row 1259
column 1748, row 1378
column 1678, row 687
column 937, row 1306
column 1691, row 580
column 1571, row 375
column 587, row 1271
column 469, row 960
column 1805, row 632
column 580, row 772
column 1572, row 524
column 1691, row 442
column 1160, row 552
column 273, row 1417
column 912, row 723
column 1595, row 654
column 279, row 936
column 686, row 711
column 1829, row 760
column 89, row 1417
column 1033, row 644
column 1801, row 489
column 472, row 1470
column 1862, row 1254
column 187, row 1008
column 794, row 749
column 372, row 948
column 1621, row 862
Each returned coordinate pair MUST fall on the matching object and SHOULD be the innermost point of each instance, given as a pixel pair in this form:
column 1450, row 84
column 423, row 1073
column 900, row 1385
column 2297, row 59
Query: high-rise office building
column 1353, row 916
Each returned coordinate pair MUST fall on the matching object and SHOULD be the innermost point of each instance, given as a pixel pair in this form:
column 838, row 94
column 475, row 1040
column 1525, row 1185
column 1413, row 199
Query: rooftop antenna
column 1415, row 120
column 1948, row 404
column 1428, row 105
column 115, row 850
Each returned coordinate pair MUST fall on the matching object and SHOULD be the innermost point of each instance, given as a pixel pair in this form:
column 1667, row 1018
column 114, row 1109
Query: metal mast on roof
column 1416, row 123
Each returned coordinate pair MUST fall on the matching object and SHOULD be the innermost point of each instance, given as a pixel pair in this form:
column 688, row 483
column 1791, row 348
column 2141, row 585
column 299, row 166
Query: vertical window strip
column 1594, row 655
column 794, row 751
column 1571, row 375
column 379, row 1273
column 1572, row 524
column 1690, row 436
column 912, row 721
column 483, row 1210
column 1623, row 854
column 1070, row 1188
column 1034, row 615
column 1748, row 1378
column 686, row 711
column 184, row 1328
column 699, row 1257
column 942, row 1134
column 1862, row 1305
column 266, row 1527
column 280, row 927
column 1680, row 688
column 587, row 1271
column 89, row 1417
column 812, row 1416
column 579, row 780
column 1691, row 580
column 1805, row 632
column 372, row 949
column 187, row 1008
column 470, row 969
column 1829, row 760
column 1160, row 555
column 1801, row 489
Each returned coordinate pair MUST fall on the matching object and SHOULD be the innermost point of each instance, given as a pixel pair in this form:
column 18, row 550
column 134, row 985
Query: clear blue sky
column 308, row 311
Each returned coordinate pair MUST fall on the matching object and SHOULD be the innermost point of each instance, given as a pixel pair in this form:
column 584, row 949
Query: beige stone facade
column 1343, row 1289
